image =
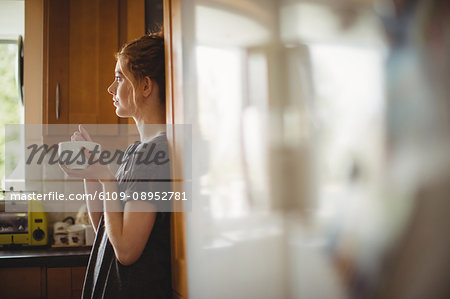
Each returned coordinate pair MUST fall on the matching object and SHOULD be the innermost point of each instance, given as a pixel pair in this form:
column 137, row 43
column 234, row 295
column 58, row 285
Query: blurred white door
column 286, row 104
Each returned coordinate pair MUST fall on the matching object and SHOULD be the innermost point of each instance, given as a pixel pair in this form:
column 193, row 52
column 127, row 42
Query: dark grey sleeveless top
column 150, row 275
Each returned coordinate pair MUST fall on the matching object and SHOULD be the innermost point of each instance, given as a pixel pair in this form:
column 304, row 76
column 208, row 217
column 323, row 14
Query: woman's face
column 122, row 91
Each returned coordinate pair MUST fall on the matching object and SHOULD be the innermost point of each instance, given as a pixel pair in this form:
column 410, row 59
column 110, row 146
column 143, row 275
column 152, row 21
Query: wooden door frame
column 175, row 115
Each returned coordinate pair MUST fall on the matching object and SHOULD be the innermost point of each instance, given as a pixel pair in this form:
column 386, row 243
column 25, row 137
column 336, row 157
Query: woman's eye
column 118, row 78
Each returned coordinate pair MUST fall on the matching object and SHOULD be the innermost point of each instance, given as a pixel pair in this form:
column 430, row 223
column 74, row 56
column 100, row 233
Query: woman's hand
column 81, row 135
column 94, row 171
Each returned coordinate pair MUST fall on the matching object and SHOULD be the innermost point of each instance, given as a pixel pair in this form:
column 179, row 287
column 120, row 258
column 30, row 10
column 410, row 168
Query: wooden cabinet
column 22, row 283
column 80, row 40
column 58, row 283
column 77, row 279
column 65, row 282
column 42, row 282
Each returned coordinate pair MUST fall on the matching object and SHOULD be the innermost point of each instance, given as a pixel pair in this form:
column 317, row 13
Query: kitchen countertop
column 47, row 256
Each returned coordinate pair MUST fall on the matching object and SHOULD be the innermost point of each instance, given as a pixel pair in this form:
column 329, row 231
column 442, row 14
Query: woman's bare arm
column 128, row 231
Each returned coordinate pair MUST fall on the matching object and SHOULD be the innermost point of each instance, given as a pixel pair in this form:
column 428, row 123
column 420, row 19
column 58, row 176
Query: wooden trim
column 174, row 115
column 34, row 66
column 45, row 75
column 45, row 65
column 177, row 62
column 168, row 61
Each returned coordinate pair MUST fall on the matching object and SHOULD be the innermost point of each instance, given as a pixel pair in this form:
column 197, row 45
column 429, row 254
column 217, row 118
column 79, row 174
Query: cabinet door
column 20, row 283
column 78, row 274
column 56, row 62
column 81, row 38
column 94, row 39
column 58, row 283
column 65, row 282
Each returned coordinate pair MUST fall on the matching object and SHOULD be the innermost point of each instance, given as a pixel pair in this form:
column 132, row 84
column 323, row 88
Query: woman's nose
column 111, row 89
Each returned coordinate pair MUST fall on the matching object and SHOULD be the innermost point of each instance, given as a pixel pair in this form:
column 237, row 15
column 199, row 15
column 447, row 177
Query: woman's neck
column 150, row 124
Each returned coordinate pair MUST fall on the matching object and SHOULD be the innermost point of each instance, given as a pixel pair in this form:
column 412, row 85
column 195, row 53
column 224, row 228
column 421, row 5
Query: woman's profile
column 130, row 257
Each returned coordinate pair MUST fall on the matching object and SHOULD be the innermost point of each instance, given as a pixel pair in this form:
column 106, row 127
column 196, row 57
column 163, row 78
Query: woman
column 131, row 254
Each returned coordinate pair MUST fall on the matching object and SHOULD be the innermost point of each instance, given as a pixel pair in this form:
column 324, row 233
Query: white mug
column 70, row 153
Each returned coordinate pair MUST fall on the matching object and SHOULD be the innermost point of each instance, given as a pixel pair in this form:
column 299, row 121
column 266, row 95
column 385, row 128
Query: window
column 12, row 15
column 12, row 108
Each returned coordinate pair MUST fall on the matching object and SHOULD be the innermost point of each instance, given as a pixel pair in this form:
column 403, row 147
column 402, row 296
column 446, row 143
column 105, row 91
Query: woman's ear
column 147, row 87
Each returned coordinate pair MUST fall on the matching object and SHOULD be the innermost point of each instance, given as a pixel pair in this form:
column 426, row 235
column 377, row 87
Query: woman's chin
column 122, row 114
column 119, row 113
